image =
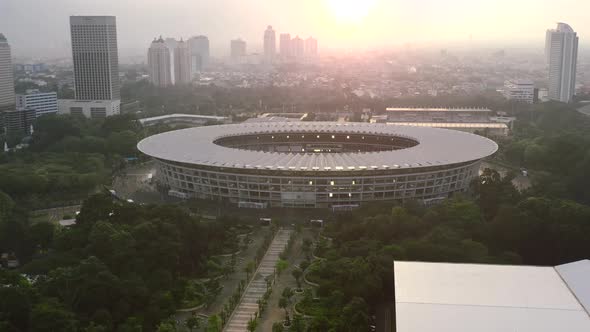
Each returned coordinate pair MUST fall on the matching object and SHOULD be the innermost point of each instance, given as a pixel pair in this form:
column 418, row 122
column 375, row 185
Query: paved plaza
column 245, row 310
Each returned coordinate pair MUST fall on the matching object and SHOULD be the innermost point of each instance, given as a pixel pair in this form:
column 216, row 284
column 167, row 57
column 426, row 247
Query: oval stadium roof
column 436, row 147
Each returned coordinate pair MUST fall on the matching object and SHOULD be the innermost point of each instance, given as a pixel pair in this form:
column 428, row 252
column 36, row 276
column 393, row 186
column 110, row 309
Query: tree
column 50, row 316
column 249, row 269
column 193, row 322
column 277, row 327
column 214, row 324
column 297, row 324
column 297, row 275
column 281, row 266
column 284, row 304
column 252, row 324
column 167, row 326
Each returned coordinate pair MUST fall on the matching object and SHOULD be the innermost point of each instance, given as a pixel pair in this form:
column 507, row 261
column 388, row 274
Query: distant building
column 42, row 102
column 182, row 63
column 270, row 41
column 6, row 76
column 298, row 47
column 92, row 109
column 199, row 53
column 17, row 121
column 285, row 45
column 311, row 47
column 561, row 49
column 159, row 63
column 171, row 45
column 96, row 59
column 520, row 90
column 451, row 297
column 498, row 129
column 192, row 120
column 434, row 114
column 237, row 48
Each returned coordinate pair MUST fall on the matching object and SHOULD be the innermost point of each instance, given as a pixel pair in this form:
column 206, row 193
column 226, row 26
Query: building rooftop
column 446, row 297
column 435, row 147
column 452, row 124
column 183, row 116
column 435, row 109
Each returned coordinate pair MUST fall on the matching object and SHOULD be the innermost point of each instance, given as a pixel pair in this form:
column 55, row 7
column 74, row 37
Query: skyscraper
column 270, row 43
column 171, row 45
column 199, row 52
column 311, row 47
column 561, row 49
column 182, row 63
column 159, row 63
column 7, row 98
column 285, row 45
column 298, row 47
column 95, row 56
column 238, row 48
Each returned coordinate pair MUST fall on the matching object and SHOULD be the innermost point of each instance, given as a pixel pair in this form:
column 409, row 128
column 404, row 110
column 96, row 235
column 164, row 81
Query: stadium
column 315, row 164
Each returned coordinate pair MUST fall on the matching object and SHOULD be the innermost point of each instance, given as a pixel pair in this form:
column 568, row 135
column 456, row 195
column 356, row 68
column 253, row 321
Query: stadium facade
column 316, row 164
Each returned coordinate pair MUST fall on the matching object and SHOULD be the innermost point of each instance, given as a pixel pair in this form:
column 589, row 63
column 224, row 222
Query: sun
column 350, row 11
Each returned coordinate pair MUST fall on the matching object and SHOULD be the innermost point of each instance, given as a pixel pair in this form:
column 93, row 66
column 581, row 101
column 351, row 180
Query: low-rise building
column 519, row 90
column 17, row 121
column 92, row 109
column 438, row 114
column 191, row 120
column 42, row 102
column 486, row 128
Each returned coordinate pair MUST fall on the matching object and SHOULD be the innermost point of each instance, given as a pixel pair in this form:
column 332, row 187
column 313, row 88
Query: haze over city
column 35, row 26
column 294, row 165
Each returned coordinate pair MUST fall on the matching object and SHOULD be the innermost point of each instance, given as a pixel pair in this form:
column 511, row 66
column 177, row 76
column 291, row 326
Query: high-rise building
column 270, row 43
column 238, row 48
column 561, row 49
column 199, row 52
column 42, row 102
column 171, row 45
column 285, row 45
column 311, row 47
column 298, row 47
column 520, row 90
column 182, row 63
column 159, row 63
column 96, row 60
column 6, row 76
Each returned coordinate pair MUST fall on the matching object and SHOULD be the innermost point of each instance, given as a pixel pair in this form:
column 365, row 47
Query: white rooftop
column 436, row 147
column 436, row 109
column 183, row 116
column 446, row 297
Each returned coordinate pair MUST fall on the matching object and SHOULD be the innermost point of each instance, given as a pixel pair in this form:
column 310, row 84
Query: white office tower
column 519, row 90
column 237, row 49
column 285, row 45
column 42, row 102
column 311, row 47
column 6, row 76
column 182, row 63
column 159, row 63
column 561, row 49
column 171, row 45
column 199, row 52
column 298, row 47
column 270, row 41
column 96, row 60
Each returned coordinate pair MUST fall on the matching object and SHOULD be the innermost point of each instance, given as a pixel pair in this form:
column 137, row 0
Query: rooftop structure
column 183, row 119
column 491, row 128
column 446, row 297
column 436, row 114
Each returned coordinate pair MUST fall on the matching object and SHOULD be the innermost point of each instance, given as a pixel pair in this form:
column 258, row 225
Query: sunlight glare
column 350, row 11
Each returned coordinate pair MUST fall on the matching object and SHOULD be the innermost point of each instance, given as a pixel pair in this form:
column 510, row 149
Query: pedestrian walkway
column 238, row 322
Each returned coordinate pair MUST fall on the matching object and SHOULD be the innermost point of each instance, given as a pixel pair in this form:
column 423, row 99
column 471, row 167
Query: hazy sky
column 42, row 25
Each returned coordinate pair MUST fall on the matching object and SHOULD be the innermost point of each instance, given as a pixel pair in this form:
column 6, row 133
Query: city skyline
column 454, row 22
